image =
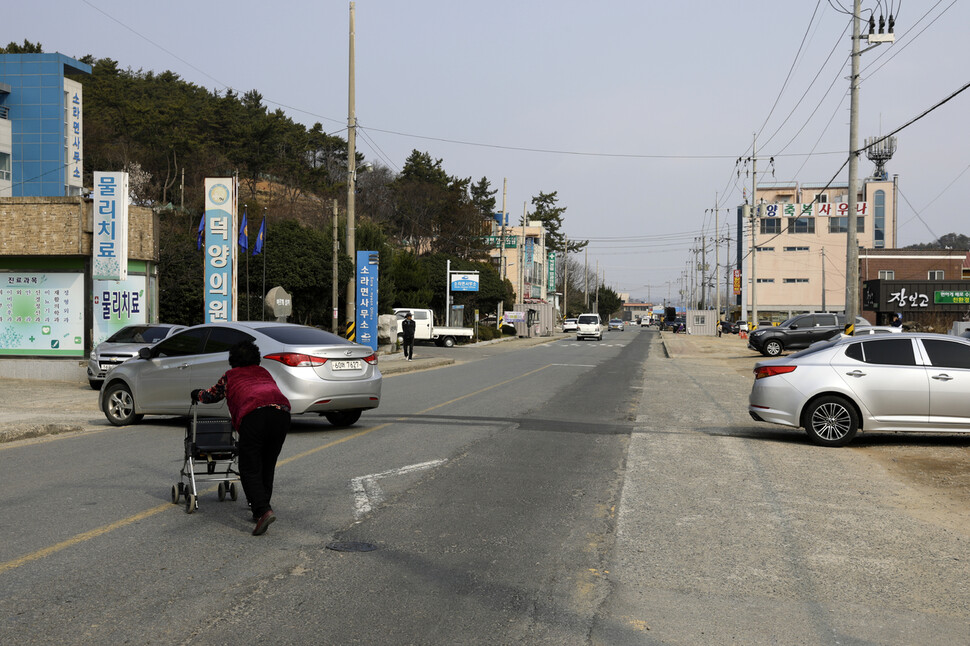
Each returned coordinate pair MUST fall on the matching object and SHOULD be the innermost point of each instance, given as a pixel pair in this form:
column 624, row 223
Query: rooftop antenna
column 880, row 150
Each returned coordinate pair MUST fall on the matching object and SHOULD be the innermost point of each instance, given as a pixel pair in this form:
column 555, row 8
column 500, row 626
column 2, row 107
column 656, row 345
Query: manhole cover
column 351, row 546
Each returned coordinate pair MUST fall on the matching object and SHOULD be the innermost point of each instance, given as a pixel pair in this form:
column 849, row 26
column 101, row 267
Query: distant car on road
column 570, row 325
column 318, row 372
column 123, row 345
column 894, row 382
column 589, row 327
column 616, row 324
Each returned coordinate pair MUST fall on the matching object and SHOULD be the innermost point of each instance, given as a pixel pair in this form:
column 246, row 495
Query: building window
column 5, row 166
column 887, row 274
column 770, row 225
column 766, row 280
column 801, row 225
column 841, row 224
column 794, row 280
column 821, row 198
column 934, row 274
column 761, row 249
column 879, row 220
column 796, row 248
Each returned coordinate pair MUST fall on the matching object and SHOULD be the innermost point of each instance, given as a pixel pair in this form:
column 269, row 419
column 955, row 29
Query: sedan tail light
column 296, row 360
column 770, row 371
column 372, row 359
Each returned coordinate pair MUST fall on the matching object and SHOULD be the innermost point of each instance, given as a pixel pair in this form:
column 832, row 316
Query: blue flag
column 243, row 235
column 260, row 235
column 198, row 242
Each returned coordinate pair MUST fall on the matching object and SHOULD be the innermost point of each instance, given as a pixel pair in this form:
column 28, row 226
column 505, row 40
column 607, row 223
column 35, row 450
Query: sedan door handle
column 943, row 377
column 183, row 366
column 856, row 373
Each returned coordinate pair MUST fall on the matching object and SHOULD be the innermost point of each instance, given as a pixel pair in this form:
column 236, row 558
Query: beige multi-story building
column 524, row 260
column 794, row 255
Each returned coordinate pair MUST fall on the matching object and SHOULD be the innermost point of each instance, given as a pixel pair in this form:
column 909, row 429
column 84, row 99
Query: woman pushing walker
column 261, row 415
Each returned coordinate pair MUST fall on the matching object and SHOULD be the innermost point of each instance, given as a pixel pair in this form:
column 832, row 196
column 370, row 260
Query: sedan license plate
column 345, row 365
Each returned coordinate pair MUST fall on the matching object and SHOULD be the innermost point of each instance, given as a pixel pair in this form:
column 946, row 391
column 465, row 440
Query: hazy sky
column 634, row 111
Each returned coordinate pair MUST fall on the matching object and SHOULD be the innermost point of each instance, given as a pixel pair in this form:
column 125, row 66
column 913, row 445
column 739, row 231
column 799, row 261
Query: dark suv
column 799, row 332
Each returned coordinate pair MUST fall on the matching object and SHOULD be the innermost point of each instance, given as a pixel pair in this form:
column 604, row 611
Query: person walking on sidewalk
column 407, row 331
column 261, row 415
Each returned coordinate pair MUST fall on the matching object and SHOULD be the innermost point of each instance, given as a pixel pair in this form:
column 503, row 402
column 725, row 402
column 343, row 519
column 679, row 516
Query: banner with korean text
column 367, row 277
column 221, row 195
column 42, row 314
column 117, row 304
column 109, row 245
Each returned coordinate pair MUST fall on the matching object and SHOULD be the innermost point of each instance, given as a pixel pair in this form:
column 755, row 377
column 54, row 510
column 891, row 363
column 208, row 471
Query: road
column 563, row 493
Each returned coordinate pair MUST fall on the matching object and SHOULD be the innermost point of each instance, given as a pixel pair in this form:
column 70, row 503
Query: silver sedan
column 906, row 382
column 317, row 371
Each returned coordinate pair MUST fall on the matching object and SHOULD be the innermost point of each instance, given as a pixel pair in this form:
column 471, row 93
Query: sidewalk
column 36, row 408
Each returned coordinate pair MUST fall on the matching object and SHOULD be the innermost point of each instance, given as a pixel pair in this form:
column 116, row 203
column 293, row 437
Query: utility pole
column 717, row 259
column 851, row 244
column 586, row 280
column 522, row 259
column 754, row 230
column 823, row 279
column 703, row 270
column 597, row 297
column 501, row 250
column 565, row 274
column 351, row 301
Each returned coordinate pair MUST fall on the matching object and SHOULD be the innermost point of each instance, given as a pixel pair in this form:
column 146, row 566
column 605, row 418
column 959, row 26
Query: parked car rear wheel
column 831, row 421
column 119, row 405
column 343, row 417
column 773, row 348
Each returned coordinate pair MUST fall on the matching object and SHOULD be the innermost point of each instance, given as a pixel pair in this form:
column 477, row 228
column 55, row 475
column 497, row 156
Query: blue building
column 41, row 126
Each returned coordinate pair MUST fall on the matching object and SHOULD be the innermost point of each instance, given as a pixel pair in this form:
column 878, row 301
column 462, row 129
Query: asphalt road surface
column 563, row 493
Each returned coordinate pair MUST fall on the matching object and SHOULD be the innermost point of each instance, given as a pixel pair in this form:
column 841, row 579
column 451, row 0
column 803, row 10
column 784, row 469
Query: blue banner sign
column 367, row 275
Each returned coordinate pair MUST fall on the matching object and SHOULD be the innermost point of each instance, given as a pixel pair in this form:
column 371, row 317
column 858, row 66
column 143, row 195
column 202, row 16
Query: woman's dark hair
column 244, row 353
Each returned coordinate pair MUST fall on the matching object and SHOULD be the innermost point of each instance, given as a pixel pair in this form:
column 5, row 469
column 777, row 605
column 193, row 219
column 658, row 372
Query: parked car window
column 894, row 352
column 947, row 354
column 827, row 320
column 302, row 335
column 139, row 334
column 803, row 321
column 222, row 338
column 420, row 316
column 183, row 343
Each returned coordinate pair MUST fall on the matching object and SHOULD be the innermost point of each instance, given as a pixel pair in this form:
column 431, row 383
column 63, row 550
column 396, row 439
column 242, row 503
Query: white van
column 588, row 326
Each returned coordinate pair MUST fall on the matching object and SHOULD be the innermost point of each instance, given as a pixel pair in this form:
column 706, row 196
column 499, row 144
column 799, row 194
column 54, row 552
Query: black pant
column 261, row 437
column 409, row 347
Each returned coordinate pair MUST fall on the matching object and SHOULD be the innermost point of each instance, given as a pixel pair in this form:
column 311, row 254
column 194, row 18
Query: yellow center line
column 100, row 531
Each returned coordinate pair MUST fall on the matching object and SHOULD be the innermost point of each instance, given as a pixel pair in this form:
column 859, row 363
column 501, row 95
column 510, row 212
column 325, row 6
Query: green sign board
column 510, row 241
column 957, row 297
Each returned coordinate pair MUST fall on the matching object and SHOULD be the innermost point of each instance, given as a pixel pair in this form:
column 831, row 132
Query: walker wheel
column 233, row 491
column 189, row 503
column 222, row 491
column 176, row 494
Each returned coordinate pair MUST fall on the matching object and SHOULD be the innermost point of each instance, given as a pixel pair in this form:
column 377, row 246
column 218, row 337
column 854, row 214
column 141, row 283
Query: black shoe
column 263, row 523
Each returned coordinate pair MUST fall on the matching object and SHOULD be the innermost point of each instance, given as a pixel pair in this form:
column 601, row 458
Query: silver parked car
column 570, row 325
column 123, row 345
column 317, row 371
column 896, row 382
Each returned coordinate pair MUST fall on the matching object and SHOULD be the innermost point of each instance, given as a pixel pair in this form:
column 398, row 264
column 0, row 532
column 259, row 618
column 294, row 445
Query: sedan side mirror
column 145, row 353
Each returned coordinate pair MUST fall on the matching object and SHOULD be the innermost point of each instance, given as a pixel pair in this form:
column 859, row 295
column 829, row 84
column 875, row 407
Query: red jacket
column 246, row 389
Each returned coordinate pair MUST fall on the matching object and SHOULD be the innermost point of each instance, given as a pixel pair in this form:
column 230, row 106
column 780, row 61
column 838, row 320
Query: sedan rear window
column 886, row 352
column 301, row 335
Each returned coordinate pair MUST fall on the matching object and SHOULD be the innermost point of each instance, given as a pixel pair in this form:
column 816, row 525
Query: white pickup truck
column 426, row 330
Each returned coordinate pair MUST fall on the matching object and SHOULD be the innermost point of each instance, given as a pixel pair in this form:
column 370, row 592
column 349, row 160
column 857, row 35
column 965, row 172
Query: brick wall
column 63, row 226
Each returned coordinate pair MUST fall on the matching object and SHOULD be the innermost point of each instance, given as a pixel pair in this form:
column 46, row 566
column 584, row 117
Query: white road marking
column 368, row 493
